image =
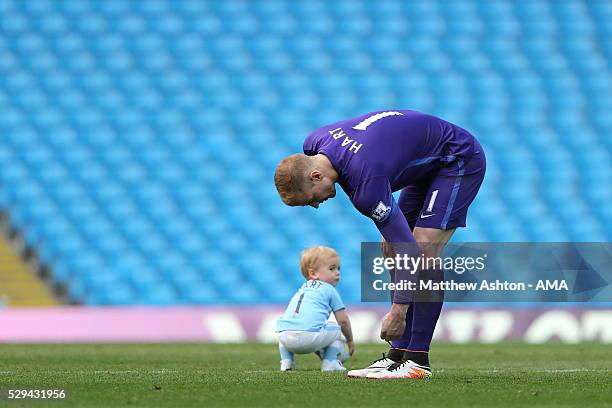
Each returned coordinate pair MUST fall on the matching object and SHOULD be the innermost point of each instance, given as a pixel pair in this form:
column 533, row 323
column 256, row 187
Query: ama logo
column 552, row 285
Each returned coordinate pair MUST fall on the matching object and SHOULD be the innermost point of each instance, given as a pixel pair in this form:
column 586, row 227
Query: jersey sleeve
column 310, row 147
column 373, row 198
column 335, row 301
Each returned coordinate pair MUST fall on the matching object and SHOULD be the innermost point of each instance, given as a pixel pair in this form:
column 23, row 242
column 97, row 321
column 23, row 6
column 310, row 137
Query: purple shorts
column 442, row 201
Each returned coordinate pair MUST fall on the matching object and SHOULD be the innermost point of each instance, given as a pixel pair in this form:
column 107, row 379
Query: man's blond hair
column 311, row 258
column 291, row 176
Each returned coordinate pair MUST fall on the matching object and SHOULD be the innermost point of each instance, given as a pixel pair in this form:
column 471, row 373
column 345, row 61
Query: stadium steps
column 19, row 286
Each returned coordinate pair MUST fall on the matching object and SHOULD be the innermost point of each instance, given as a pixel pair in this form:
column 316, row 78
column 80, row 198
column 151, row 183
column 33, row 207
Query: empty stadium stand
column 138, row 139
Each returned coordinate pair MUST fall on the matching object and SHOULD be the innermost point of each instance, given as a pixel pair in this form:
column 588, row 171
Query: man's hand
column 394, row 322
column 351, row 347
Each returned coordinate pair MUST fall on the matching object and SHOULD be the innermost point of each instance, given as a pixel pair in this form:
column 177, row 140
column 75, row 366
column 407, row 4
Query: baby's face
column 327, row 270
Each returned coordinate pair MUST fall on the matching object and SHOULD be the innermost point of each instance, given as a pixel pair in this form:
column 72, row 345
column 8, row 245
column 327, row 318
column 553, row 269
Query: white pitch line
column 166, row 371
column 561, row 370
column 574, row 370
column 162, row 371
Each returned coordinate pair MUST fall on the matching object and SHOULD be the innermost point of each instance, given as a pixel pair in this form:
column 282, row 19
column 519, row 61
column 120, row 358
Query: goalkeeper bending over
column 438, row 166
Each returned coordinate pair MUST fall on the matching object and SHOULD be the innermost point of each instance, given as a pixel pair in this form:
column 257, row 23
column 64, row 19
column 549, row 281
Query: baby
column 304, row 328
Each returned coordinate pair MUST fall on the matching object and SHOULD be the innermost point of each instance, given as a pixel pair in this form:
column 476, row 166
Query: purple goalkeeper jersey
column 382, row 152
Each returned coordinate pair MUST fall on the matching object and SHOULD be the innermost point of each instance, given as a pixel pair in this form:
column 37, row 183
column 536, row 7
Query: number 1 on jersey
column 299, row 303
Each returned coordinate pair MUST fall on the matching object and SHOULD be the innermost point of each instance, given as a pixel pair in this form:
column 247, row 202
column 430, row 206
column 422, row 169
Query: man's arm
column 399, row 240
column 345, row 325
column 396, row 228
column 375, row 200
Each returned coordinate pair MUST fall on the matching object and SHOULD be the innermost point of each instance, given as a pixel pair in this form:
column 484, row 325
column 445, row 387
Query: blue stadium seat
column 137, row 158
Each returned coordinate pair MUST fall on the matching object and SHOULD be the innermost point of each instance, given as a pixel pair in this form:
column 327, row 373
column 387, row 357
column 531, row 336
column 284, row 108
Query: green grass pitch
column 202, row 375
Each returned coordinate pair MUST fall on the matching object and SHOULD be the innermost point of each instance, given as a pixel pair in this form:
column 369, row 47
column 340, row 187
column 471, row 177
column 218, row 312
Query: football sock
column 421, row 320
column 404, row 341
column 284, row 353
column 395, row 354
column 332, row 351
column 344, row 356
column 419, row 357
column 426, row 313
column 423, row 324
